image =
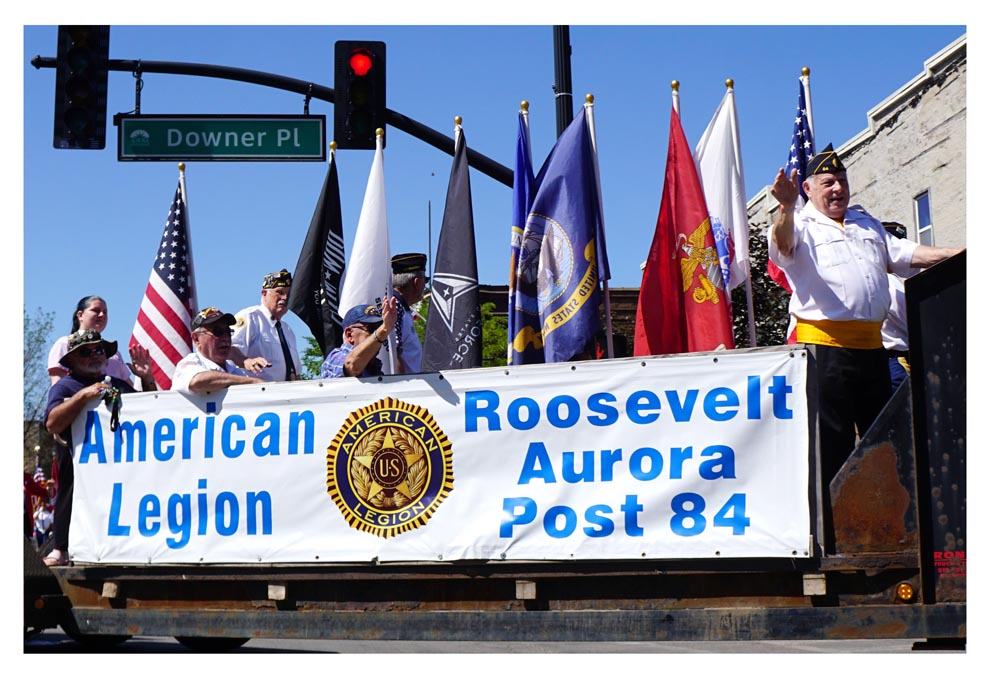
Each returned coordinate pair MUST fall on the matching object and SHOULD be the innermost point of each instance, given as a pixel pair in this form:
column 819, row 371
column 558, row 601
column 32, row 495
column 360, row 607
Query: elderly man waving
column 837, row 260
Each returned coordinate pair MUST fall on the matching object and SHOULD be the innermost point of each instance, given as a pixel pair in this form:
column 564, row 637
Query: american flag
column 169, row 302
column 801, row 152
column 802, row 141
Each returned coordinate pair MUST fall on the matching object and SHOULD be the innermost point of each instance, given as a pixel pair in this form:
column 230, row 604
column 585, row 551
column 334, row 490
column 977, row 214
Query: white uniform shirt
column 840, row 273
column 255, row 335
column 195, row 363
column 894, row 329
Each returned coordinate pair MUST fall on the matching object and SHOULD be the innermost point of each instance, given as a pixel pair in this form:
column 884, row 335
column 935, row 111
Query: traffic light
column 358, row 93
column 81, row 87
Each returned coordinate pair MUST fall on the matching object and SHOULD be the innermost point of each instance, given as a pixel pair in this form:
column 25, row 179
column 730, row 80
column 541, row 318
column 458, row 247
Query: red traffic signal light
column 359, row 93
column 360, row 62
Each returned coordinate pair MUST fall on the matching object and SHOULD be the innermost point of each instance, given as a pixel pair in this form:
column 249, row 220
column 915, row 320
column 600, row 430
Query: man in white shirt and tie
column 262, row 343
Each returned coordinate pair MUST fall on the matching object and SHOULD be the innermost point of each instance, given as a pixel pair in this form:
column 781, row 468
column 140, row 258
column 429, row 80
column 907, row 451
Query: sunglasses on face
column 95, row 351
column 218, row 332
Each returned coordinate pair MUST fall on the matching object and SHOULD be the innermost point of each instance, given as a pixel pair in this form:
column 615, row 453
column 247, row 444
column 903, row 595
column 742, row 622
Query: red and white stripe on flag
column 162, row 325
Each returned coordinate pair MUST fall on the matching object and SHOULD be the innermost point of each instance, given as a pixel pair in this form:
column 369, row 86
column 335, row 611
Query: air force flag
column 453, row 326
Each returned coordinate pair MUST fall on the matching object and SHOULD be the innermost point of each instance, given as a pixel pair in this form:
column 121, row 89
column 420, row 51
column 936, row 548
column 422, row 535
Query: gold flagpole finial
column 589, row 98
column 805, row 71
column 457, row 120
column 379, row 132
column 182, row 167
column 524, row 105
column 333, row 146
column 729, row 83
column 674, row 85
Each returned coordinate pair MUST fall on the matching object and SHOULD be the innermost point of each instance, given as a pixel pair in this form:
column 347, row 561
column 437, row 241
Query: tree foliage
column 37, row 340
column 769, row 300
column 311, row 359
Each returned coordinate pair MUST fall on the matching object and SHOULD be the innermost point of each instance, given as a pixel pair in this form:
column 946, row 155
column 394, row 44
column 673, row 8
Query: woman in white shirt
column 91, row 314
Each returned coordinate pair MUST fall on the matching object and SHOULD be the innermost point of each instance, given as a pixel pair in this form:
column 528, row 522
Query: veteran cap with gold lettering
column 825, row 162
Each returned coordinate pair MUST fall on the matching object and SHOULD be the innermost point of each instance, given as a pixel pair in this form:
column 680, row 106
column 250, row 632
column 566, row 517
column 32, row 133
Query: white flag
column 719, row 159
column 368, row 275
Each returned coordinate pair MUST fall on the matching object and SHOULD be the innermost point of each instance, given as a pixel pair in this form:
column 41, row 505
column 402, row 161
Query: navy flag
column 559, row 252
column 453, row 326
column 525, row 342
column 315, row 292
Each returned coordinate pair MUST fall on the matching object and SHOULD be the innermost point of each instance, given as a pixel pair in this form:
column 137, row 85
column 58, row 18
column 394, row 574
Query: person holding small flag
column 837, row 259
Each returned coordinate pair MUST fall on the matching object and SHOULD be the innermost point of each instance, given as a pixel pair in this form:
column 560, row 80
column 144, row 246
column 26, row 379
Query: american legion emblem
column 389, row 468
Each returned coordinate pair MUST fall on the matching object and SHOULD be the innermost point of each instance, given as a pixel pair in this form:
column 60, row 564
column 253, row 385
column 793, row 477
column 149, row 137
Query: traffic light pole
column 482, row 163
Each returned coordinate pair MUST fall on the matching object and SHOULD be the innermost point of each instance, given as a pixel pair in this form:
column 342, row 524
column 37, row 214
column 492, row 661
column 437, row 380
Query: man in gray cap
column 209, row 368
column 409, row 281
column 837, row 259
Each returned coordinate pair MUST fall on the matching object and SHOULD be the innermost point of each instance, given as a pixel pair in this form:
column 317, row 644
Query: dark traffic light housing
column 81, row 87
column 358, row 93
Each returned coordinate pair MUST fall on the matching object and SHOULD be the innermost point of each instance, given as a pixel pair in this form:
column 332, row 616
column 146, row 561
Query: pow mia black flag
column 315, row 293
column 453, row 326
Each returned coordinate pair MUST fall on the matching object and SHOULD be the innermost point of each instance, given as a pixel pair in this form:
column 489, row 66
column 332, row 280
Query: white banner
column 693, row 456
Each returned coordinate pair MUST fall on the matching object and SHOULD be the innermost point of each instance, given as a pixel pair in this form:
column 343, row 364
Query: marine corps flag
column 315, row 291
column 682, row 298
column 559, row 258
column 453, row 326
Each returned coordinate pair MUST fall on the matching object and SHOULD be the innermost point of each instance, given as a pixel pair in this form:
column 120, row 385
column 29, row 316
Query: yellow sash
column 846, row 334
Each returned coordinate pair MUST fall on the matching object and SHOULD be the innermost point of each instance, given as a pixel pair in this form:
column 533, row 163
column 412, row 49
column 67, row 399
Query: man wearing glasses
column 208, row 368
column 365, row 331
column 86, row 361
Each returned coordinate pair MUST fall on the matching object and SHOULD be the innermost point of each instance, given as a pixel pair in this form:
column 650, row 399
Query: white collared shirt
column 255, row 335
column 195, row 363
column 839, row 273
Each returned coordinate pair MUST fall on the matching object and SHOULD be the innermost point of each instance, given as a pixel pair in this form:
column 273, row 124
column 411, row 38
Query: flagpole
column 675, row 95
column 193, row 300
column 389, row 292
column 806, row 84
column 730, row 87
column 589, row 110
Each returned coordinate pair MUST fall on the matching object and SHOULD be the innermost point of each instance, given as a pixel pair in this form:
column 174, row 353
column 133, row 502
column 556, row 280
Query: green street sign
column 221, row 137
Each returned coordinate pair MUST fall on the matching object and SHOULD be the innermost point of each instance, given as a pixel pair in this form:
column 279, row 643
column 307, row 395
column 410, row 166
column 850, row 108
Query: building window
column 923, row 219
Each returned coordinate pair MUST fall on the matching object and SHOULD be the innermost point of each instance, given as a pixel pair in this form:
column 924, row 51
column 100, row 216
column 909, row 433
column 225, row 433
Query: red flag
column 169, row 302
column 682, row 299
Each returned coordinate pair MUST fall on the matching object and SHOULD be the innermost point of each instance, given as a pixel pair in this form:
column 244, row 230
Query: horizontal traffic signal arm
column 482, row 163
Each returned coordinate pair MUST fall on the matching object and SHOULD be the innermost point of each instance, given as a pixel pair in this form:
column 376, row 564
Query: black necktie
column 290, row 368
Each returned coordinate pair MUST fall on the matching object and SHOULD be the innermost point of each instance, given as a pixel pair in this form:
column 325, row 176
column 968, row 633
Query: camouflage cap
column 280, row 279
column 82, row 338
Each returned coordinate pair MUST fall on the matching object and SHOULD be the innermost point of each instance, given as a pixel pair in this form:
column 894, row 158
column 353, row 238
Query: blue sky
column 92, row 224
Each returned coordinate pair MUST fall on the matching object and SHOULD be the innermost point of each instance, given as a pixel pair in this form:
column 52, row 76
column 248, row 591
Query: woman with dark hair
column 90, row 314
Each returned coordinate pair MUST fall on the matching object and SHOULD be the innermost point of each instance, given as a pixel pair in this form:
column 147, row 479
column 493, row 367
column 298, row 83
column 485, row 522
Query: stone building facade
column 909, row 164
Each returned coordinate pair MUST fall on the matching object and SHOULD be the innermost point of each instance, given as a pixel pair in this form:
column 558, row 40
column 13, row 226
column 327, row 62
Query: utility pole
column 562, row 77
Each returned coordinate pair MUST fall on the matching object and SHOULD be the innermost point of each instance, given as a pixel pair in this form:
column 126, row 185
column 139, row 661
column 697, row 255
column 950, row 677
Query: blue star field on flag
column 802, row 142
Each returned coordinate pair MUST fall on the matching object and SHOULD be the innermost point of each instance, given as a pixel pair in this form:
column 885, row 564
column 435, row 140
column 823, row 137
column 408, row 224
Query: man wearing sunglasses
column 86, row 361
column 209, row 369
